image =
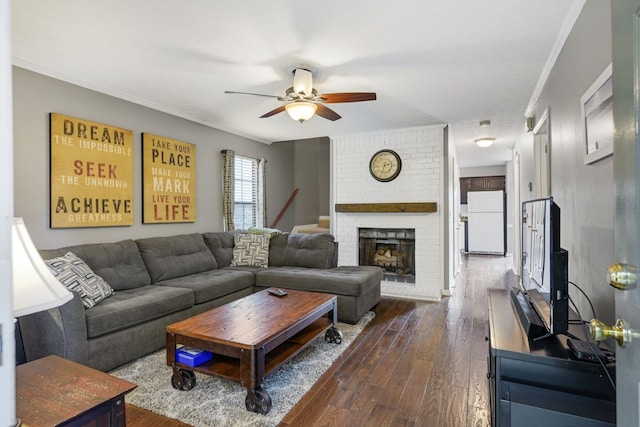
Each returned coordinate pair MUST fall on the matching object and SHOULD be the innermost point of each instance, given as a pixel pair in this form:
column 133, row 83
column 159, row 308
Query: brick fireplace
column 420, row 181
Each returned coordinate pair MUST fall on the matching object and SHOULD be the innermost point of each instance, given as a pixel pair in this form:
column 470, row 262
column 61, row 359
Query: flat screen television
column 542, row 302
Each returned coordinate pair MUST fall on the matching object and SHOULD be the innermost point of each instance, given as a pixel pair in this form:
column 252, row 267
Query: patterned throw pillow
column 250, row 250
column 76, row 275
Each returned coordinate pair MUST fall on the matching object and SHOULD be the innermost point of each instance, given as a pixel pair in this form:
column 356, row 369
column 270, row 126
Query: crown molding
column 18, row 62
column 567, row 26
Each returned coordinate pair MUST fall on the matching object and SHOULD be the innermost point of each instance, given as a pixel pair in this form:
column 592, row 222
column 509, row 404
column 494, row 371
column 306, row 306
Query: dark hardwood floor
column 417, row 363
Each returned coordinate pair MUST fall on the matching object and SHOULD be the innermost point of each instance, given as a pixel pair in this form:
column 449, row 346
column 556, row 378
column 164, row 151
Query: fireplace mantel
column 426, row 207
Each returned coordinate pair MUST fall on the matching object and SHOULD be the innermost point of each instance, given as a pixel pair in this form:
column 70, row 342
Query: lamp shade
column 301, row 110
column 35, row 288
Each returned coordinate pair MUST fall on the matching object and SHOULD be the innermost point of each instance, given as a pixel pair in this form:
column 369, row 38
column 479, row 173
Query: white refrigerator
column 486, row 222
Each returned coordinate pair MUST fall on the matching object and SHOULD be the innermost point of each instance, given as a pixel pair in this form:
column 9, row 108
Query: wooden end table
column 53, row 391
column 251, row 337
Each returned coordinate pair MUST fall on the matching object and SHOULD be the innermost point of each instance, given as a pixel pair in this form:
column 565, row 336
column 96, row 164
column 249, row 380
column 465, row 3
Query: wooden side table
column 53, row 391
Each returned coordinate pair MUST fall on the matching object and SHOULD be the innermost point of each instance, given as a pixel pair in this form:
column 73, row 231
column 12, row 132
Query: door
column 477, row 184
column 495, row 183
column 541, row 151
column 517, row 214
column 626, row 66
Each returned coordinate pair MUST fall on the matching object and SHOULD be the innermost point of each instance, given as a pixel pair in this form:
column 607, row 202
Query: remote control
column 277, row 292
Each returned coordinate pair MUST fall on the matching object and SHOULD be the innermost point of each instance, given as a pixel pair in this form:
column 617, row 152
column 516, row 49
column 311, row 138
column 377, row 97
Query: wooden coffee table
column 251, row 337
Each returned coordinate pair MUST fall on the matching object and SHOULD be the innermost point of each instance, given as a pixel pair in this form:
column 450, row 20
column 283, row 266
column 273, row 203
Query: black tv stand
column 534, row 384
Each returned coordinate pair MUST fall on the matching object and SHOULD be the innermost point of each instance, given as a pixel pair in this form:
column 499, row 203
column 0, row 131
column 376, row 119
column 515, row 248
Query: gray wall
column 35, row 96
column 482, row 171
column 583, row 192
column 311, row 167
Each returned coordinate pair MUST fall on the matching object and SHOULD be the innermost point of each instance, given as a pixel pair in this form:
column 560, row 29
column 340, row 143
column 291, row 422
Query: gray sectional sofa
column 158, row 281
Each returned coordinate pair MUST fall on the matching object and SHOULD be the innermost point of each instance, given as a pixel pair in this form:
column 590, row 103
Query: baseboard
column 411, row 297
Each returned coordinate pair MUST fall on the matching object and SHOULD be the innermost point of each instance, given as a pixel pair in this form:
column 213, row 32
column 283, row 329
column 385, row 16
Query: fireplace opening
column 392, row 249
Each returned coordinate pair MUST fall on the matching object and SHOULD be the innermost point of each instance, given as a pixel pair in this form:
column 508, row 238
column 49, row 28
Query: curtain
column 261, row 202
column 228, row 181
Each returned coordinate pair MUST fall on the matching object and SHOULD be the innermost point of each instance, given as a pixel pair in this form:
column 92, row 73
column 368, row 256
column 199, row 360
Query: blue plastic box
column 192, row 356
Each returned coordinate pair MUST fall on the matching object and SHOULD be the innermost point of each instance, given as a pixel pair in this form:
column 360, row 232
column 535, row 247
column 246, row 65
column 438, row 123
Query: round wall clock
column 385, row 165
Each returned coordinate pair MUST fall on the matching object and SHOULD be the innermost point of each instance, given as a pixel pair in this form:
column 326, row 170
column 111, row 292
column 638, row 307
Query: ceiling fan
column 303, row 101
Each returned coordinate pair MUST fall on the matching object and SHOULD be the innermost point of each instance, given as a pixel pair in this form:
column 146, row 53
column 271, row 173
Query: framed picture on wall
column 168, row 180
column 91, row 166
column 597, row 118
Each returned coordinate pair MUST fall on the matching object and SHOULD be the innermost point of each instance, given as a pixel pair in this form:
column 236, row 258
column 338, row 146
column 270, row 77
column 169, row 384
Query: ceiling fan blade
column 273, row 112
column 348, row 97
column 232, row 92
column 327, row 113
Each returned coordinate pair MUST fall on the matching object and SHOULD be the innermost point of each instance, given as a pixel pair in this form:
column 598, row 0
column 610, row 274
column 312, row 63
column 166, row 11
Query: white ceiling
column 430, row 62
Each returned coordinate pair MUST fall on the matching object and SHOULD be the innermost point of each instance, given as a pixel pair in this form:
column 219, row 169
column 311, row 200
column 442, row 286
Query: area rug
column 219, row 402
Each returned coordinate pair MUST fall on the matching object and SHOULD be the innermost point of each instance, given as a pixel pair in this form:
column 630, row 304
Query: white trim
column 7, row 341
column 388, row 131
column 567, row 26
column 541, row 121
column 606, row 149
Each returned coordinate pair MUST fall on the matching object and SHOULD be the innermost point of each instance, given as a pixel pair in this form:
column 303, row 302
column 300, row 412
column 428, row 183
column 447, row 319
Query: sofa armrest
column 61, row 331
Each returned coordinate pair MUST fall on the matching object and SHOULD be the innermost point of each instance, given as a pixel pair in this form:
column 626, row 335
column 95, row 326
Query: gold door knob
column 622, row 276
column 620, row 332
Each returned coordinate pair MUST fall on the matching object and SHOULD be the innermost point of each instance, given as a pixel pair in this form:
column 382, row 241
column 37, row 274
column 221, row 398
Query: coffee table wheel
column 262, row 399
column 333, row 335
column 183, row 380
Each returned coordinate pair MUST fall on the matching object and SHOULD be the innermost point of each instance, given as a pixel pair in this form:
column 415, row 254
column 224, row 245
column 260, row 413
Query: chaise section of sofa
column 357, row 288
column 308, row 262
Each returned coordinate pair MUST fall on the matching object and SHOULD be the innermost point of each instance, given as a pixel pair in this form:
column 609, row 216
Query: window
column 244, row 198
column 247, row 203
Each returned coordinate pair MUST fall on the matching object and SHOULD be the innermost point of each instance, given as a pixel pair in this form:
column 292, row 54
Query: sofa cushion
column 133, row 306
column 175, row 256
column 221, row 246
column 76, row 275
column 347, row 280
column 119, row 264
column 251, row 250
column 309, row 250
column 277, row 245
column 212, row 284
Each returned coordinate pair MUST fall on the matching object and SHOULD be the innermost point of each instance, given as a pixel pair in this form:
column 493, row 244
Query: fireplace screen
column 393, row 250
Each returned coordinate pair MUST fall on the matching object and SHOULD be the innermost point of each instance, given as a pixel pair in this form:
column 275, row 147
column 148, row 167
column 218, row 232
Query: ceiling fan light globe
column 484, row 142
column 301, row 111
